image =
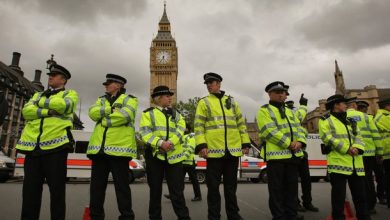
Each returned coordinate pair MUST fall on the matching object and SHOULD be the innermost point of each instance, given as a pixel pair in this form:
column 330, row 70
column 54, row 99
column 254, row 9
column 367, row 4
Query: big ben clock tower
column 163, row 58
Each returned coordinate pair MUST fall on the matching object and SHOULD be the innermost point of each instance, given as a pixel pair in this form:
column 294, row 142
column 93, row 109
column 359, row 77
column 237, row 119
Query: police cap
column 58, row 69
column 362, row 103
column 110, row 78
column 161, row 90
column 209, row 77
column 334, row 99
column 383, row 102
column 276, row 86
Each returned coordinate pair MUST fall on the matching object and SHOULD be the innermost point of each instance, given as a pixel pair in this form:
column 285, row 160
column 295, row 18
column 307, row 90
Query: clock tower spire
column 163, row 57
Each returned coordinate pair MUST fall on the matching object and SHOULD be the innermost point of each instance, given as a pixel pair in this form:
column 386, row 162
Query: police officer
column 46, row 140
column 372, row 148
column 162, row 129
column 283, row 136
column 303, row 168
column 189, row 164
column 344, row 148
column 111, row 146
column 362, row 106
column 221, row 137
column 382, row 121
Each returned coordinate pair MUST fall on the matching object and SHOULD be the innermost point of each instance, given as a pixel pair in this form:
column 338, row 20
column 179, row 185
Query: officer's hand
column 203, row 153
column 166, row 146
column 245, row 150
column 353, row 151
column 303, row 100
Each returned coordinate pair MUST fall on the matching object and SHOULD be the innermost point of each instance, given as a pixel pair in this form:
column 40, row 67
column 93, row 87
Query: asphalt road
column 252, row 199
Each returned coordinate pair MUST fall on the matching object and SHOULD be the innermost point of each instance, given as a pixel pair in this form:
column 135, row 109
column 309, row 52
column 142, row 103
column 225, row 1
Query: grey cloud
column 349, row 25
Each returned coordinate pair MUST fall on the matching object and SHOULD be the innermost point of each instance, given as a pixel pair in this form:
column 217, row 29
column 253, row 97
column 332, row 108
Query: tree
column 187, row 109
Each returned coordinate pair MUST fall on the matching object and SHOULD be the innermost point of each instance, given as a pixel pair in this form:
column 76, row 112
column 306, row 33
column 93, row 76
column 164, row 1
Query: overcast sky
column 249, row 42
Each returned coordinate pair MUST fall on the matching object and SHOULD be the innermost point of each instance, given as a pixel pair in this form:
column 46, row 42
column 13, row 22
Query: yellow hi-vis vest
column 189, row 148
column 301, row 113
column 370, row 134
column 156, row 127
column 47, row 132
column 382, row 121
column 219, row 125
column 340, row 138
column 278, row 132
column 114, row 129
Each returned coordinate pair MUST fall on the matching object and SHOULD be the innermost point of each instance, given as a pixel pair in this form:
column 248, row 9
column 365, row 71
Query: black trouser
column 380, row 180
column 155, row 170
column 386, row 166
column 369, row 164
column 282, row 189
column 51, row 167
column 190, row 169
column 304, row 174
column 216, row 168
column 102, row 165
column 357, row 186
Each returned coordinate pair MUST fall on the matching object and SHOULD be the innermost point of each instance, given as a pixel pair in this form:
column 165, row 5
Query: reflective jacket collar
column 219, row 95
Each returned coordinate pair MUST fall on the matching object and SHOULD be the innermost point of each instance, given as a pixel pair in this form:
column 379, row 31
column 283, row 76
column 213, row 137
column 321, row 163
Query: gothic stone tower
column 163, row 58
column 338, row 75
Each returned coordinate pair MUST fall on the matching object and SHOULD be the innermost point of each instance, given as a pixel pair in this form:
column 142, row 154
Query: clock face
column 163, row 57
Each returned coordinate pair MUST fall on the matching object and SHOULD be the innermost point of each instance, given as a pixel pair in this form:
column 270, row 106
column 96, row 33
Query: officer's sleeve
column 98, row 110
column 187, row 146
column 31, row 111
column 268, row 130
column 376, row 137
column 122, row 116
column 146, row 130
column 179, row 131
column 358, row 141
column 242, row 127
column 62, row 105
column 383, row 122
column 199, row 126
column 301, row 113
column 328, row 139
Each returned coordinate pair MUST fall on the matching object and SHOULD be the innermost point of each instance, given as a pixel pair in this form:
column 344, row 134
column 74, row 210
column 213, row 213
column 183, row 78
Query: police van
column 253, row 167
column 78, row 164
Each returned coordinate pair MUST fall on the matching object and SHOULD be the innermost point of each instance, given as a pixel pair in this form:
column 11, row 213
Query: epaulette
column 385, row 114
column 148, row 109
column 264, row 106
column 326, row 116
column 131, row 96
column 103, row 96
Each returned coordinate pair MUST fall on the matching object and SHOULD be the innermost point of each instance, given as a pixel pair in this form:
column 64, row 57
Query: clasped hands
column 166, row 146
column 295, row 146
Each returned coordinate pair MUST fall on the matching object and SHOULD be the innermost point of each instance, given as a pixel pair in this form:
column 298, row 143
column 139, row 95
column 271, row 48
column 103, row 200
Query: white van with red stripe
column 253, row 168
column 78, row 164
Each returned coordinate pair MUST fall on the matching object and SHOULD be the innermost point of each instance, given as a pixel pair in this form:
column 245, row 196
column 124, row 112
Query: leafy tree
column 187, row 109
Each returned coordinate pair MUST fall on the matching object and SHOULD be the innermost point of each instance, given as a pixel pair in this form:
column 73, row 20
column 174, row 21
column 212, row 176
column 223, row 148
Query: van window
column 81, row 146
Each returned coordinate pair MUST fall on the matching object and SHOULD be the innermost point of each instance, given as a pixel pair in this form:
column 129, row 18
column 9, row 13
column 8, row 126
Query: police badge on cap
column 276, row 86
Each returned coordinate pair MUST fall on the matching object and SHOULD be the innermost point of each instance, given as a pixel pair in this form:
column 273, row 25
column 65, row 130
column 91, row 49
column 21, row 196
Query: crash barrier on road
column 349, row 215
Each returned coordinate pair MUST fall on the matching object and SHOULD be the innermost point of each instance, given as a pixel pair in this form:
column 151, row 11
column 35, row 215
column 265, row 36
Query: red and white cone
column 86, row 213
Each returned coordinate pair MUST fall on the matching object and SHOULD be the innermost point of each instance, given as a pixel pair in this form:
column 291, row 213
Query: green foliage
column 187, row 109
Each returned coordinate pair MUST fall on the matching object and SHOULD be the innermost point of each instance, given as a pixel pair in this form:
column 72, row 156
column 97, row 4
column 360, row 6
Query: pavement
column 252, row 200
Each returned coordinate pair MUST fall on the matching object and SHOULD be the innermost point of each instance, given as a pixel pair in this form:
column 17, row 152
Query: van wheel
column 255, row 180
column 264, row 176
column 201, row 176
column 131, row 176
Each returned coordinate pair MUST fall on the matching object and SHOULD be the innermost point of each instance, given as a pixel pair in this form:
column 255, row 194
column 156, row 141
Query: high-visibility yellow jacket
column 47, row 132
column 189, row 148
column 156, row 127
column 301, row 113
column 370, row 134
column 114, row 132
column 382, row 121
column 340, row 138
column 278, row 133
column 219, row 126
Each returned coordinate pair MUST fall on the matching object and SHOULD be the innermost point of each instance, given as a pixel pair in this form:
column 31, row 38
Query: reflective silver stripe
column 199, row 132
column 282, row 141
column 206, row 101
column 369, row 151
column 271, row 134
column 150, row 140
column 125, row 114
column 377, row 119
column 180, row 128
column 39, row 112
column 92, row 148
column 65, row 93
column 340, row 136
column 240, row 124
column 220, row 118
column 46, row 103
column 67, row 105
column 234, row 107
column 266, row 126
column 278, row 153
column 103, row 108
column 364, row 129
column 200, row 117
column 271, row 113
column 176, row 156
column 120, row 149
column 109, row 123
column 340, row 146
column 212, row 127
column 152, row 119
column 130, row 108
column 341, row 168
column 145, row 130
column 54, row 141
column 367, row 122
column 331, row 125
column 102, row 111
column 366, row 136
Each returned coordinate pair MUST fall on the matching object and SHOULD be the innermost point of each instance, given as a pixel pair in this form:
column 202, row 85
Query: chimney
column 37, row 80
column 15, row 63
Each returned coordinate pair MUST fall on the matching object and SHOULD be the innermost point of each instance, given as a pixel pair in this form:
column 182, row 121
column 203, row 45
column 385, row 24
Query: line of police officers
column 220, row 136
